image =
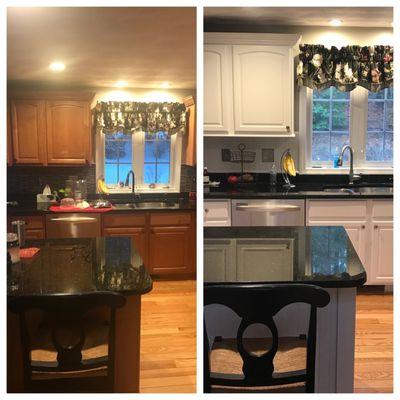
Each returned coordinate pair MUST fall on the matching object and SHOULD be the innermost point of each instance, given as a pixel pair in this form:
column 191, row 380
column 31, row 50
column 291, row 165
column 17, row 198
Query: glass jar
column 13, row 247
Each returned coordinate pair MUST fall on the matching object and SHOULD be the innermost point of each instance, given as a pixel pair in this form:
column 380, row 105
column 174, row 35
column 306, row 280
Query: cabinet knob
column 206, row 210
column 287, row 128
column 375, row 226
column 362, row 226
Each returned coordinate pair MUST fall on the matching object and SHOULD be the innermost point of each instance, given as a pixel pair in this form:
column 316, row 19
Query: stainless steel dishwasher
column 73, row 225
column 268, row 212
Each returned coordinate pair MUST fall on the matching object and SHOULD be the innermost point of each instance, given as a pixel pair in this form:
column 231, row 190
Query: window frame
column 138, row 141
column 358, row 133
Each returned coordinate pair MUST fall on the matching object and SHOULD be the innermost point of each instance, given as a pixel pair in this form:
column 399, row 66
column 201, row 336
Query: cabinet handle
column 375, row 226
column 287, row 128
column 206, row 210
column 362, row 226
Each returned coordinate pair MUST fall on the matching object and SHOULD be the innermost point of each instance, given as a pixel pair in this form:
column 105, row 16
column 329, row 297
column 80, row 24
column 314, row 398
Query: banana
column 288, row 164
column 101, row 186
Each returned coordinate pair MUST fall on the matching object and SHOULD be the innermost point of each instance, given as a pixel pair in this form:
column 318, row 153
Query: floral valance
column 130, row 117
column 370, row 67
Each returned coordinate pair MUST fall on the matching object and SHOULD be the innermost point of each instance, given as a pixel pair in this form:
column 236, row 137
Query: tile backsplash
column 32, row 180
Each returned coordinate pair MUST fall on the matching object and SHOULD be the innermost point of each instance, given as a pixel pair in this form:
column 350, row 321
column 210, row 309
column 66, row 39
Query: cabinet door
column 382, row 254
column 265, row 260
column 169, row 250
column 138, row 235
column 263, row 90
column 68, row 132
column 217, row 213
column 217, row 89
column 28, row 131
column 219, row 260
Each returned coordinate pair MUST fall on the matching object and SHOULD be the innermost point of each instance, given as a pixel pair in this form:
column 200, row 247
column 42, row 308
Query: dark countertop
column 323, row 256
column 28, row 207
column 74, row 266
column 263, row 191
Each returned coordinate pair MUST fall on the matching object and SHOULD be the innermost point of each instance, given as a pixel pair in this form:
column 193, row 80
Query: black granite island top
column 323, row 256
column 75, row 266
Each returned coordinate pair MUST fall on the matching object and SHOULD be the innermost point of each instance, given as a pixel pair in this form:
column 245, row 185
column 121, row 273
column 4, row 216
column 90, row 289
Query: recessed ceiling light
column 120, row 84
column 57, row 66
column 335, row 22
column 164, row 85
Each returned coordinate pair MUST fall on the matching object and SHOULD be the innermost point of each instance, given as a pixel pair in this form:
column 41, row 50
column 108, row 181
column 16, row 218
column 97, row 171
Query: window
column 154, row 158
column 360, row 118
column 380, row 126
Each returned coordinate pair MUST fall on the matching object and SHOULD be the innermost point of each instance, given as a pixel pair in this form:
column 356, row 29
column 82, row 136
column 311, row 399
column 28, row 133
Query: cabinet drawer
column 118, row 231
column 35, row 234
column 217, row 213
column 32, row 222
column 321, row 210
column 382, row 210
column 160, row 219
column 121, row 220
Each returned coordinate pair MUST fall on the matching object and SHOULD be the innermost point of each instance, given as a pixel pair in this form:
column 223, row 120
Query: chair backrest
column 65, row 313
column 259, row 304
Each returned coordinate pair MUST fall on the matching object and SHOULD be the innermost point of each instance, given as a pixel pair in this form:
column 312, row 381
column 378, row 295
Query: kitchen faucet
column 352, row 176
column 133, row 181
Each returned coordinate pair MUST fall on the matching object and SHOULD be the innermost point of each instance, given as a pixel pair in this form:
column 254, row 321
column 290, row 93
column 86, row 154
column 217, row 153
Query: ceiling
column 377, row 17
column 145, row 47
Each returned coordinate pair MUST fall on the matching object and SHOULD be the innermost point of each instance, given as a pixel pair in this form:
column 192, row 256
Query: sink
column 143, row 205
column 361, row 190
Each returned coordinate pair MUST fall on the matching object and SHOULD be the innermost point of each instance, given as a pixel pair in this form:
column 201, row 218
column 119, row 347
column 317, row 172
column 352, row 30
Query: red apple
column 232, row 179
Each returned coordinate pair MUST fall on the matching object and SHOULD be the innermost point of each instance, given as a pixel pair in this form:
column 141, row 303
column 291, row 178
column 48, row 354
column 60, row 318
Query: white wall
column 312, row 35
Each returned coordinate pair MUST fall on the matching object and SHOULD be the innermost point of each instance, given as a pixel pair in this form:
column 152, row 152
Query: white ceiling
column 377, row 17
column 143, row 46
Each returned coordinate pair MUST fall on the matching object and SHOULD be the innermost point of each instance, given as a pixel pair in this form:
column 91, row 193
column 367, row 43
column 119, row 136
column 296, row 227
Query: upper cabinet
column 50, row 129
column 68, row 132
column 248, row 84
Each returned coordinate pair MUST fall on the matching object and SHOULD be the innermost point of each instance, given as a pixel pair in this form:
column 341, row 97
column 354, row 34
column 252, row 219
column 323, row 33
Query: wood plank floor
column 168, row 338
column 374, row 344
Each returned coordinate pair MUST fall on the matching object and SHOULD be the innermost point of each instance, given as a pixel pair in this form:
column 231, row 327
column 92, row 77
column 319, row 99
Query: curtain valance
column 130, row 117
column 346, row 68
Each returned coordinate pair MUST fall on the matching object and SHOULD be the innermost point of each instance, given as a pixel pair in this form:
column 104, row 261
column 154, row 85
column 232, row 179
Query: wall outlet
column 267, row 155
column 225, row 155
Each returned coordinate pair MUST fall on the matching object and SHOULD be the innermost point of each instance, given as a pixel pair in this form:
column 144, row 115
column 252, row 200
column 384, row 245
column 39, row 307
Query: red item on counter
column 77, row 209
column 29, row 252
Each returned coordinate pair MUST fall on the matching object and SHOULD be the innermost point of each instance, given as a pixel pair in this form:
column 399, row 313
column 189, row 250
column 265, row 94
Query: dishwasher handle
column 73, row 219
column 267, row 208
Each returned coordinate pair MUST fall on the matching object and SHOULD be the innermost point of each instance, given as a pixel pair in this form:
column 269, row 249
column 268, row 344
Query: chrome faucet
column 352, row 176
column 133, row 181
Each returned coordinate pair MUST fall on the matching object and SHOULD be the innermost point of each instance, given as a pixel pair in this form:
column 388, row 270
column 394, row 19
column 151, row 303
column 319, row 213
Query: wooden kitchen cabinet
column 68, row 132
column 28, row 126
column 172, row 243
column 128, row 225
column 51, row 128
column 248, row 84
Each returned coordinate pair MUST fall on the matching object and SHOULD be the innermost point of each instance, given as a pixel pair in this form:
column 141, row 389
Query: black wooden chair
column 259, row 304
column 65, row 317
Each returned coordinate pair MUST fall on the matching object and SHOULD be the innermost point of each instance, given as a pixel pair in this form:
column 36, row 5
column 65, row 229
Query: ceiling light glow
column 335, row 22
column 120, row 84
column 57, row 66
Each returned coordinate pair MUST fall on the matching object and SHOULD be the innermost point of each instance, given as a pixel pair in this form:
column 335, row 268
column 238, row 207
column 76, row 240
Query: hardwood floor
column 374, row 344
column 168, row 338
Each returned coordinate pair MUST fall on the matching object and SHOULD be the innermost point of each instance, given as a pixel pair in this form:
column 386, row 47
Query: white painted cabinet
column 217, row 213
column 381, row 269
column 248, row 84
column 369, row 224
column 217, row 88
column 263, row 89
column 220, row 257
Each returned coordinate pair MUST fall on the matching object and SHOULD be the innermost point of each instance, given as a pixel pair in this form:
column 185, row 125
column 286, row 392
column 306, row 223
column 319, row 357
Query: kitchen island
column 84, row 265
column 322, row 256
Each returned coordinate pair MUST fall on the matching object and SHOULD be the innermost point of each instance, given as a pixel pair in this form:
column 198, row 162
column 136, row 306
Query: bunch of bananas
column 101, row 186
column 288, row 164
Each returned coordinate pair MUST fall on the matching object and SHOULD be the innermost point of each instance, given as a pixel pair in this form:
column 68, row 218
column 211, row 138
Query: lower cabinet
column 165, row 240
column 369, row 224
column 34, row 228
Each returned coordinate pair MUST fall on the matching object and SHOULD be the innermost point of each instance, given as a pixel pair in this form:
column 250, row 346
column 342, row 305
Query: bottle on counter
column 206, row 176
column 273, row 176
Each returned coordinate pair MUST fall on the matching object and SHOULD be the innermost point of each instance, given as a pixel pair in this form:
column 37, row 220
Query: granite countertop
column 323, row 256
column 29, row 207
column 263, row 191
column 75, row 266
